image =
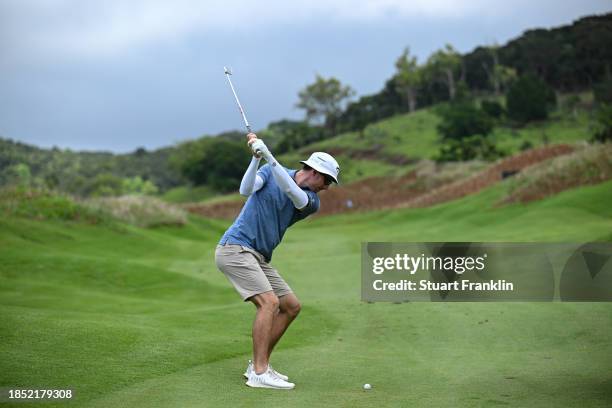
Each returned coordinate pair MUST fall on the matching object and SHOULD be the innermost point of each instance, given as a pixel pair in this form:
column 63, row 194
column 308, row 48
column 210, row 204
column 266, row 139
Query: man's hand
column 259, row 148
column 251, row 138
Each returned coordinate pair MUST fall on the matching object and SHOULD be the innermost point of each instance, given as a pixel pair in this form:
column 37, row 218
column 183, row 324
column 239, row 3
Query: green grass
column 561, row 128
column 141, row 317
column 186, row 194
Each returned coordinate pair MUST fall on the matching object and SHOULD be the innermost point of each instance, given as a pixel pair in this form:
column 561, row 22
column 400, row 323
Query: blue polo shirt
column 266, row 216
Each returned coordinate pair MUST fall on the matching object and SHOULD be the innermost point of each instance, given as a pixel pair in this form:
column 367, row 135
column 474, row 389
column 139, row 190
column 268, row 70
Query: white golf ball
column 367, row 387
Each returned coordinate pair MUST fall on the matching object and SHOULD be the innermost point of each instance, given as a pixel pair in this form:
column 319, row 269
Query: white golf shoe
column 268, row 379
column 276, row 373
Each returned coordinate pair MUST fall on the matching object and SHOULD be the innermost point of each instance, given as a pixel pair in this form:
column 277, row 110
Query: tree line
column 528, row 71
column 571, row 58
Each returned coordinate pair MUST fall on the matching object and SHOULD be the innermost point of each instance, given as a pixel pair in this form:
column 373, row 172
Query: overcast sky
column 117, row 75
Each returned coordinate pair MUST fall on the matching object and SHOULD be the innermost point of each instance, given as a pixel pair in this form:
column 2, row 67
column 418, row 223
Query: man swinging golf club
column 278, row 197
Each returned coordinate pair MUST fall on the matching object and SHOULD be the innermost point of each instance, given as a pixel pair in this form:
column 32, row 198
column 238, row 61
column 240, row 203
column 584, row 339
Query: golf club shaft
column 246, row 122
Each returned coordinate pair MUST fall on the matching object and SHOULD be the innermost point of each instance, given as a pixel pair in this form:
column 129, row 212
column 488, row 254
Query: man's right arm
column 251, row 182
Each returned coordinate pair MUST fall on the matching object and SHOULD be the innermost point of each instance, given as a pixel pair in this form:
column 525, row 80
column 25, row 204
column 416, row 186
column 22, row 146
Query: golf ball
column 367, row 387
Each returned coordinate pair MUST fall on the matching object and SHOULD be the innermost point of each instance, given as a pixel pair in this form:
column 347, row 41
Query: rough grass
column 590, row 164
column 433, row 174
column 46, row 205
column 142, row 211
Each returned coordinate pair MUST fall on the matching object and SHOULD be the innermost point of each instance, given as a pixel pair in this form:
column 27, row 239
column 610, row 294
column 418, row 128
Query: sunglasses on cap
column 328, row 179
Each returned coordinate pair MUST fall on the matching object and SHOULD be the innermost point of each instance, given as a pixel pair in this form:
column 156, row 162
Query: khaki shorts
column 248, row 271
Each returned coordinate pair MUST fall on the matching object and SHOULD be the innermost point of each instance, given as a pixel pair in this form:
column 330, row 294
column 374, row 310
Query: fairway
column 141, row 317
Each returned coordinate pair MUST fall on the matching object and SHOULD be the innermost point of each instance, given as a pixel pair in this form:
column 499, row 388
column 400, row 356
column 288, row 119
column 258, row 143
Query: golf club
column 228, row 72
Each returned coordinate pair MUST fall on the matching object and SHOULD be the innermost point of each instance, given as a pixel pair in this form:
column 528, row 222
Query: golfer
column 278, row 198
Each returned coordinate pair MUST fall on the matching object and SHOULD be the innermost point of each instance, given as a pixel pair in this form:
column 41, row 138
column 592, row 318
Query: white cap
column 323, row 163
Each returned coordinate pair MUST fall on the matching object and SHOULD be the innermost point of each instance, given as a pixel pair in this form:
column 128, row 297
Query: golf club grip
column 257, row 152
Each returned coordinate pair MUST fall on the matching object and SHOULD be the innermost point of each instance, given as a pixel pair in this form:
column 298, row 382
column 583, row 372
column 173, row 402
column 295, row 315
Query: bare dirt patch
column 491, row 175
column 427, row 185
column 587, row 166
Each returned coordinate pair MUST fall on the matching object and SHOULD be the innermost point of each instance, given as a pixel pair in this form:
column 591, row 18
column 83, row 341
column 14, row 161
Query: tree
column 324, row 100
column 186, row 157
column 603, row 125
column 371, row 108
column 602, row 92
column 477, row 63
column 492, row 108
column 408, row 78
column 216, row 162
column 464, row 128
column 292, row 134
column 443, row 65
column 232, row 135
column 104, row 184
column 461, row 120
column 223, row 164
column 469, row 148
column 529, row 98
column 571, row 103
column 593, row 55
column 17, row 175
column 359, row 114
column 138, row 186
column 500, row 76
column 537, row 53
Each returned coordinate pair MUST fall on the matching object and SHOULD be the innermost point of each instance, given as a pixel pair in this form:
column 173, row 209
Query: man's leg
column 289, row 308
column 267, row 306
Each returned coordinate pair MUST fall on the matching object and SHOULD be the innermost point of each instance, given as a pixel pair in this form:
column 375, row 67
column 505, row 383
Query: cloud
column 113, row 27
column 33, row 31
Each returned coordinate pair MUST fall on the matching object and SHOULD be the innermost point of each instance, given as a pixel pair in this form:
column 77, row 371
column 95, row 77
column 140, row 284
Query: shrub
column 17, row 175
column 526, row 145
column 492, row 108
column 463, row 119
column 603, row 125
column 602, row 92
column 571, row 103
column 529, row 99
column 136, row 185
column 470, row 148
column 103, row 185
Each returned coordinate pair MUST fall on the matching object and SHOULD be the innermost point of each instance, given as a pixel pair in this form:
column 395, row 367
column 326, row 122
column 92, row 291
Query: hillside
column 389, row 164
column 390, row 145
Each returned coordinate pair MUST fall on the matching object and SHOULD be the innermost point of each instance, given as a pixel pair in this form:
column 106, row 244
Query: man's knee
column 291, row 305
column 267, row 301
column 294, row 310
